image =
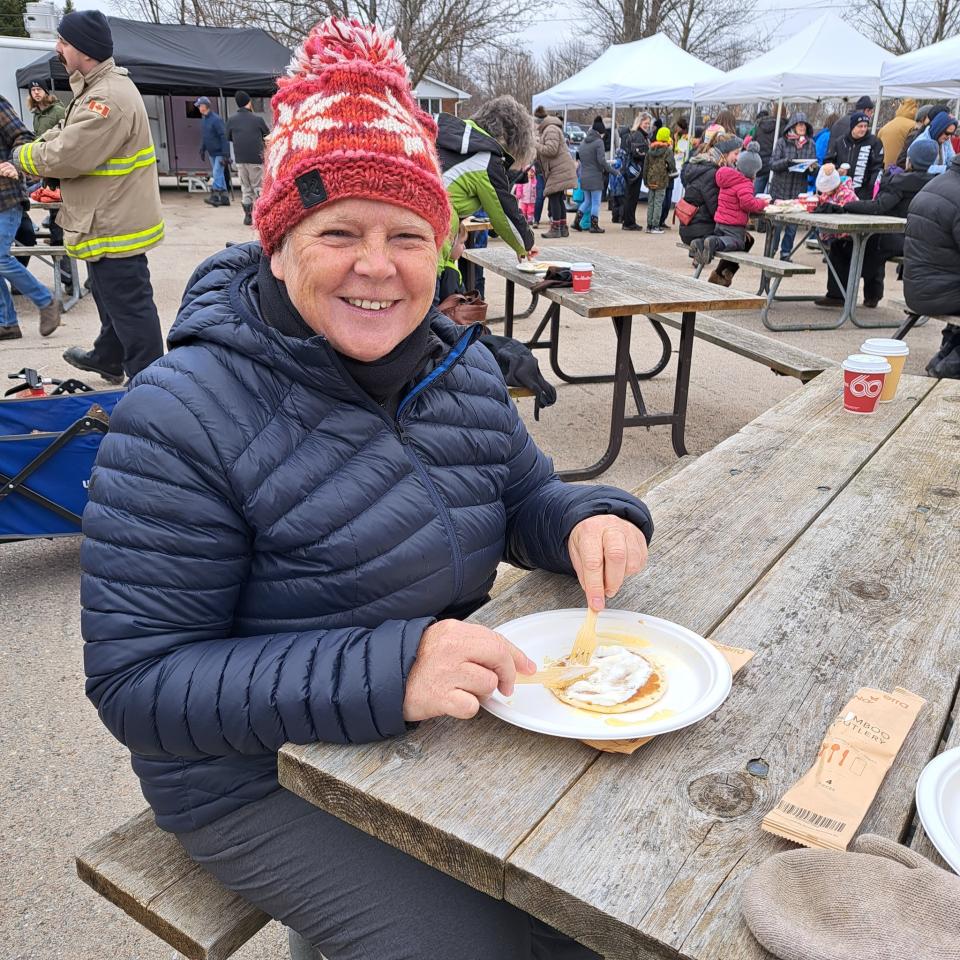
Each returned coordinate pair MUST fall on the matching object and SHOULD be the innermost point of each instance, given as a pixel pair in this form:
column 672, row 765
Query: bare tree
column 565, row 59
column 431, row 31
column 201, row 13
column 904, row 25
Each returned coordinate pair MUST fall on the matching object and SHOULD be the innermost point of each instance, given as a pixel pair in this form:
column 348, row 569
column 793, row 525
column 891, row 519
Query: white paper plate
column 938, row 803
column 541, row 266
column 698, row 676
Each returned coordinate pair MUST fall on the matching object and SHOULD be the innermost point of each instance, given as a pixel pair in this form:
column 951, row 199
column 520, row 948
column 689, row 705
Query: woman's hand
column 457, row 664
column 604, row 551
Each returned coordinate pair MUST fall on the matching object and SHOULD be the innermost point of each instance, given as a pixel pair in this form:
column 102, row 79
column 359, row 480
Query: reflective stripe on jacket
column 104, row 157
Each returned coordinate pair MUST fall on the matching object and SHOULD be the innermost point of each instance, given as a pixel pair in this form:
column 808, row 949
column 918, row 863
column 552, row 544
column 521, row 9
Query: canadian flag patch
column 98, row 106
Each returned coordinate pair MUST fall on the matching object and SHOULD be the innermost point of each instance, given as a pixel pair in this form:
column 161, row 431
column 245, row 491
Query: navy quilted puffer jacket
column 265, row 546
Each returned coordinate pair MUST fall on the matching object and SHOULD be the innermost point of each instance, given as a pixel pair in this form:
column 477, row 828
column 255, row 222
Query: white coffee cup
column 896, row 353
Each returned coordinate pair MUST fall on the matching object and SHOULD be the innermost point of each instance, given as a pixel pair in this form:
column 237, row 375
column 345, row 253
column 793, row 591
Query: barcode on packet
column 808, row 816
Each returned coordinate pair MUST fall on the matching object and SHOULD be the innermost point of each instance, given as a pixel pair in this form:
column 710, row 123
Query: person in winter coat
column 922, row 119
column 46, row 108
column 822, row 139
column 635, row 147
column 893, row 135
column 295, row 510
column 476, row 156
column 659, row 169
column 735, row 204
column 526, row 193
column 214, row 145
column 699, row 179
column 931, row 252
column 939, row 132
column 247, row 131
column 104, row 157
column 13, row 204
column 895, row 195
column 559, row 171
column 764, row 134
column 862, row 152
column 793, row 149
column 593, row 168
column 842, row 126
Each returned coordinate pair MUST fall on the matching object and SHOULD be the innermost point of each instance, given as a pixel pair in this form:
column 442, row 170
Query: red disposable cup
column 582, row 274
column 863, row 379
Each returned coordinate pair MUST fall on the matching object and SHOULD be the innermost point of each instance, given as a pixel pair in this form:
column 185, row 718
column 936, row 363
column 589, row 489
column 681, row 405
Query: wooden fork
column 560, row 675
column 585, row 644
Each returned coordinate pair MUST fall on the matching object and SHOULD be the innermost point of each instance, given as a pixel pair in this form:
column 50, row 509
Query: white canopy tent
column 933, row 70
column 828, row 58
column 649, row 71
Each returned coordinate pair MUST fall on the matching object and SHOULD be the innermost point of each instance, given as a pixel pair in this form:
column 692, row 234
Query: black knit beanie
column 89, row 32
column 242, row 98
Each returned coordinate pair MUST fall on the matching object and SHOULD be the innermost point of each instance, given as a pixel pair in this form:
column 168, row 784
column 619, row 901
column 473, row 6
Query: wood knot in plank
column 946, row 492
column 407, row 749
column 726, row 795
column 869, row 590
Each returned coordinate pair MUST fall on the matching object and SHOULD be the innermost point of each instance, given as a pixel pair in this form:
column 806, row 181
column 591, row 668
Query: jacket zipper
column 435, row 376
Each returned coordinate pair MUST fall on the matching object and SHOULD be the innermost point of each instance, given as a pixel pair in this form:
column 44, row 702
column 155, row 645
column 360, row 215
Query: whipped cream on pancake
column 620, row 674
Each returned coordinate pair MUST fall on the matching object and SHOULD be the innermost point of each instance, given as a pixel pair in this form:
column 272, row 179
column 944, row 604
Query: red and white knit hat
column 346, row 125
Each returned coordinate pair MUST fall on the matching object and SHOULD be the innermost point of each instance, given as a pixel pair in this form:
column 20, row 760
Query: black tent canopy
column 169, row 58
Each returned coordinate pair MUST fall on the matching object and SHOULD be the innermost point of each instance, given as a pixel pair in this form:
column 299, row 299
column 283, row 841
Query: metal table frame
column 859, row 239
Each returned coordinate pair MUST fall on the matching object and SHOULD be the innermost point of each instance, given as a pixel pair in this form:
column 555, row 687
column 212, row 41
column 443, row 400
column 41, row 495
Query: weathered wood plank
column 649, row 852
column 783, row 357
column 921, row 842
column 147, row 873
column 780, row 268
column 620, row 287
column 842, row 222
column 462, row 796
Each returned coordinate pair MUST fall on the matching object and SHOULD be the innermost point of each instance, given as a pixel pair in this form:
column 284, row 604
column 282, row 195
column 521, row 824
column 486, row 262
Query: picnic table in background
column 620, row 289
column 860, row 227
column 826, row 543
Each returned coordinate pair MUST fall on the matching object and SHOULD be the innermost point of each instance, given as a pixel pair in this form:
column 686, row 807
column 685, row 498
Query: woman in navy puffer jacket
column 295, row 508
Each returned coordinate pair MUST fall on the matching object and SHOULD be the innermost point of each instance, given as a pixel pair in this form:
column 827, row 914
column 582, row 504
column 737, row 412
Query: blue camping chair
column 47, row 448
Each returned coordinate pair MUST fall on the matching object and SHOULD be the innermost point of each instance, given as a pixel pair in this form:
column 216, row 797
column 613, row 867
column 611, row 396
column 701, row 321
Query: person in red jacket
column 736, row 203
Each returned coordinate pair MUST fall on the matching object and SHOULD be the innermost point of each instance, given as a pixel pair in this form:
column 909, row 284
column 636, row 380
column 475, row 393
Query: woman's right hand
column 457, row 664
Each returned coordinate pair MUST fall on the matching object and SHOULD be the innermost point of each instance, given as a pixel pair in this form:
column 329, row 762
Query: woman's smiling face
column 361, row 273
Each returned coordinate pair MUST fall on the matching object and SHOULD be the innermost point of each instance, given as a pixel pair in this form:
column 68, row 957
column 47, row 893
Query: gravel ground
column 64, row 780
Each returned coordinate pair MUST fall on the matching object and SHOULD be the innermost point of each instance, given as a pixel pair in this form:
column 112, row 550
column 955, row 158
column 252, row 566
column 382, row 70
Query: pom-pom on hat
column 346, row 125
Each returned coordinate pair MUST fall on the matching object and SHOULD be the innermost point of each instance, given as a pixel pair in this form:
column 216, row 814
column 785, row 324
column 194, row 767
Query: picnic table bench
column 822, row 541
column 620, row 289
column 860, row 228
column 52, row 255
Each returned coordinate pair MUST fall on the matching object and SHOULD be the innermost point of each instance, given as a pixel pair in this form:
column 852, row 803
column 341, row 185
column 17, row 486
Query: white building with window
column 436, row 97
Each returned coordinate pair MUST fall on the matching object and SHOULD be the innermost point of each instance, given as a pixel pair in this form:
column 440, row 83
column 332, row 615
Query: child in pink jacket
column 736, row 203
column 526, row 193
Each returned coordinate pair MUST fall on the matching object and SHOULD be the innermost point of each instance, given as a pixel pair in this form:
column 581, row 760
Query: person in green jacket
column 47, row 109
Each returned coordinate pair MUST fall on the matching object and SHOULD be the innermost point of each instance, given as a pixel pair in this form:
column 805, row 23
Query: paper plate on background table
column 938, row 803
column 698, row 676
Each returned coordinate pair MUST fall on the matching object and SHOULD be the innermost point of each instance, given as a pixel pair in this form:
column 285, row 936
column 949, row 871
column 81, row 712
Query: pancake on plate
column 624, row 680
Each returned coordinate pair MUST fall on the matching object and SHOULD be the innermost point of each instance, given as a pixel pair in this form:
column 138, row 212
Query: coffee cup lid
column 866, row 363
column 581, row 266
column 885, row 347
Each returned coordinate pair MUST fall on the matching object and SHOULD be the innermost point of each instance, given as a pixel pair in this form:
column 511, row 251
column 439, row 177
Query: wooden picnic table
column 823, row 541
column 620, row 289
column 860, row 227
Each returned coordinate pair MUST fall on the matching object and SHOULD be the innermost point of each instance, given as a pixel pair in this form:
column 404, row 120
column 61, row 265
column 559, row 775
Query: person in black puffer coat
column 931, row 254
column 862, row 152
column 764, row 134
column 699, row 178
column 635, row 147
column 298, row 506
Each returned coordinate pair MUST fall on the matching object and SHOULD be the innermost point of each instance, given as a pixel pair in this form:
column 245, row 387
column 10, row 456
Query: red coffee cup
column 863, row 379
column 582, row 275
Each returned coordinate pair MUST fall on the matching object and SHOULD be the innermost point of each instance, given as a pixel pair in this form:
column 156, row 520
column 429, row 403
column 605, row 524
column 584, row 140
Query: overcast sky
column 783, row 17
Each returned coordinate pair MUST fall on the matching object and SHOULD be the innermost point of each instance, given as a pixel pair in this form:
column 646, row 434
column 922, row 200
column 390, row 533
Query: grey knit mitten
column 882, row 901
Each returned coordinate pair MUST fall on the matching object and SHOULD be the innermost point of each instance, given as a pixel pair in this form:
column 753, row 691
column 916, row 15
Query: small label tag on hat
column 312, row 190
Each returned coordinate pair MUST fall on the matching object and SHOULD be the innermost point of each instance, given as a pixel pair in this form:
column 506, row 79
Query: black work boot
column 248, row 214
column 214, row 199
column 595, row 225
column 224, row 198
column 82, row 360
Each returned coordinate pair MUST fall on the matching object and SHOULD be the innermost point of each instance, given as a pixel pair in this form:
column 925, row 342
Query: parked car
column 574, row 133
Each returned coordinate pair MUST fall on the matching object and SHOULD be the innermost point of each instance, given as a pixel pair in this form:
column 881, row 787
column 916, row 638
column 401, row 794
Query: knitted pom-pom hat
column 346, row 125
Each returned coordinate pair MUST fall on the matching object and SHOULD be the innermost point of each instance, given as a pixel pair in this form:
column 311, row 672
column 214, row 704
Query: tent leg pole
column 876, row 110
column 776, row 135
column 564, row 121
column 613, row 128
